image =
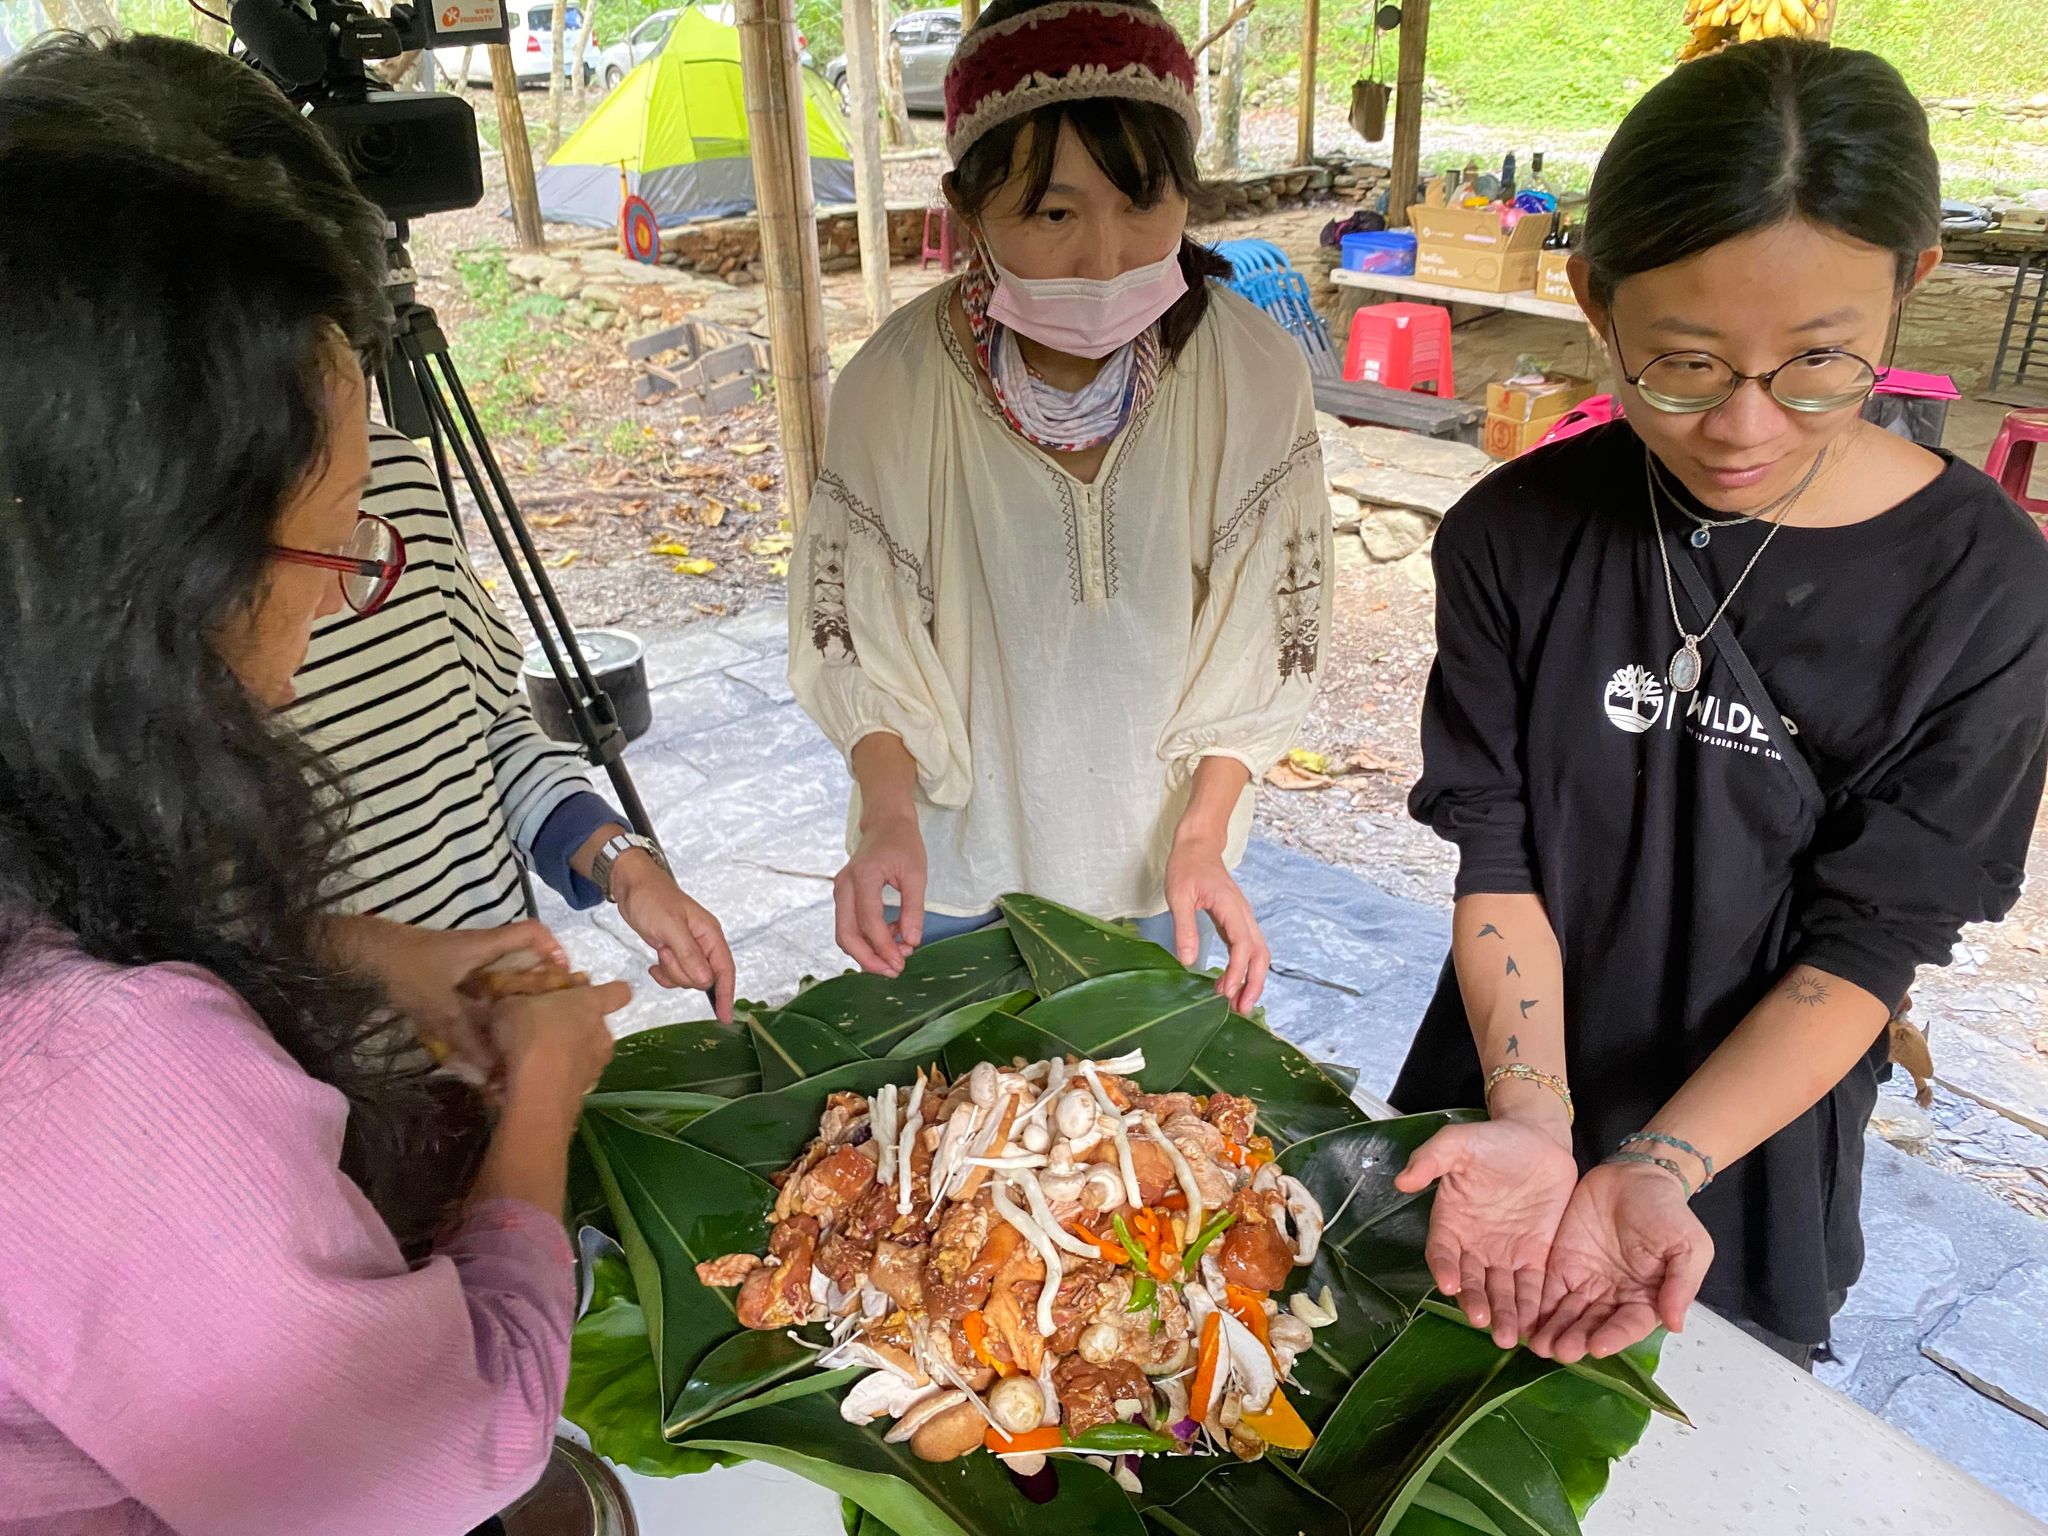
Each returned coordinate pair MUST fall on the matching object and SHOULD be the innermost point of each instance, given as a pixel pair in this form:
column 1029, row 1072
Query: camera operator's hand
column 687, row 939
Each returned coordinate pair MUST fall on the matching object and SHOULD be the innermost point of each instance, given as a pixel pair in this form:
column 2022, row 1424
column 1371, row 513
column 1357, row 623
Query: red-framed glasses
column 369, row 565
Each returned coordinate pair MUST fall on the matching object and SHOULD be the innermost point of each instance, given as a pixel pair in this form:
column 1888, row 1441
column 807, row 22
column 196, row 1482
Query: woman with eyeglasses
column 1737, row 719
column 212, row 1318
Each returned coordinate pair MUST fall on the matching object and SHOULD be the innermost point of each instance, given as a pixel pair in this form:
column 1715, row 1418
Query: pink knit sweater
column 204, row 1327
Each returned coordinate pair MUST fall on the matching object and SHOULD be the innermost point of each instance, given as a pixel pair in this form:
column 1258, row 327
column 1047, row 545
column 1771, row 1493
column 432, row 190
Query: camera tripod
column 422, row 395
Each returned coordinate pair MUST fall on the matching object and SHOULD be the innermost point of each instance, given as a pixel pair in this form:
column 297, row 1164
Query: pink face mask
column 1086, row 316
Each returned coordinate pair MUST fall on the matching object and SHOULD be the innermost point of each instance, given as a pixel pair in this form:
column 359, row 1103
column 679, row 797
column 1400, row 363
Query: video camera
column 410, row 152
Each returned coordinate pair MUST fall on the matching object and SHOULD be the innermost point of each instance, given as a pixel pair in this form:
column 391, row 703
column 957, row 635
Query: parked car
column 533, row 48
column 927, row 39
column 618, row 60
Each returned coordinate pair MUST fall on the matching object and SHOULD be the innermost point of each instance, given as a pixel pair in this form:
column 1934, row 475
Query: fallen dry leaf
column 711, row 610
column 749, row 506
column 711, row 514
column 695, row 566
column 1909, row 1050
column 633, row 506
column 1309, row 762
column 771, row 544
column 669, row 547
column 554, row 519
column 778, row 567
column 761, row 482
column 564, row 561
column 1365, row 760
column 750, row 450
column 1285, row 775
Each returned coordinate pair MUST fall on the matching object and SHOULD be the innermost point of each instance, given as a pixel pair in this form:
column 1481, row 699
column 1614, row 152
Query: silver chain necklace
column 1704, row 528
column 1686, row 668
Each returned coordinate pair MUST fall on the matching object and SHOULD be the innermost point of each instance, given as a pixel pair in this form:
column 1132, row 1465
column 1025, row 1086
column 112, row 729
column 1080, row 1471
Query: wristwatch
column 608, row 856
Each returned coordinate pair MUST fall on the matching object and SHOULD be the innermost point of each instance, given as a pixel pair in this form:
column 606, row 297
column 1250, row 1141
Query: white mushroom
column 1100, row 1343
column 1115, row 1128
column 1251, row 1368
column 1182, row 1173
column 1307, row 1217
column 1047, row 1250
column 1024, row 1463
column 1041, row 1212
column 1063, row 1188
column 913, row 1122
column 883, row 1394
column 882, row 1122
column 1051, row 1415
column 1289, row 1336
column 1319, row 1313
column 1036, row 1138
column 1017, row 1403
column 928, row 1408
column 981, row 1084
column 1103, row 1189
column 1075, row 1117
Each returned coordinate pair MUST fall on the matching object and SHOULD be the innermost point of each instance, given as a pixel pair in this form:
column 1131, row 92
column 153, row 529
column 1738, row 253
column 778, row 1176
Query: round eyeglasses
column 369, row 564
column 1683, row 383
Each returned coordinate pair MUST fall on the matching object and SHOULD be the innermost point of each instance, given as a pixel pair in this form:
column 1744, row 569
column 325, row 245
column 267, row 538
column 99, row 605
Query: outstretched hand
column 1628, row 1254
column 1501, row 1188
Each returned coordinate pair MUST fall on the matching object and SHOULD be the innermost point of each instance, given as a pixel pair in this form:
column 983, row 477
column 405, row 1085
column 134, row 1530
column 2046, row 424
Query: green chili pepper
column 1143, row 1293
column 1118, row 1439
column 1132, row 1246
column 1212, row 1229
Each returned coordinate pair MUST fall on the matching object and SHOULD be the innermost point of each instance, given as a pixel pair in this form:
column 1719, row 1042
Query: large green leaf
column 1170, row 1015
column 1295, row 1100
column 926, row 1042
column 614, row 1394
column 740, row 1368
column 677, row 1205
column 702, row 1057
column 875, row 1012
column 1251, row 1498
column 1495, row 1467
column 1003, row 1037
column 1582, row 1426
column 1379, row 1230
column 912, row 1497
column 1627, row 1374
column 765, row 1132
column 1405, row 1409
column 1063, row 947
column 793, row 1046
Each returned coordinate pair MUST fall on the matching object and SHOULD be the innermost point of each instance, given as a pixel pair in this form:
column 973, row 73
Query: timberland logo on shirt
column 1634, row 699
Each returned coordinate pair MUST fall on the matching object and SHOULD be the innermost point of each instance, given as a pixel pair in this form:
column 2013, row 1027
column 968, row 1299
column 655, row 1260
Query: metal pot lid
column 578, row 1495
column 607, row 650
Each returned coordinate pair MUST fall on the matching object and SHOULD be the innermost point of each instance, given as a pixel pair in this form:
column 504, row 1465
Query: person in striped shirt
column 419, row 705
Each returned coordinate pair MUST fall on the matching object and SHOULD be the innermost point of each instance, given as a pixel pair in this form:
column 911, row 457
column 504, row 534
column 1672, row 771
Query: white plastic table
column 1773, row 1453
column 1415, row 288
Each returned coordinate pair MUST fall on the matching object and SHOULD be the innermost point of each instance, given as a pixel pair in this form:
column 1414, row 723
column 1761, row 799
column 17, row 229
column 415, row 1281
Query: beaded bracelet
column 1676, row 1145
column 1648, row 1161
column 1528, row 1074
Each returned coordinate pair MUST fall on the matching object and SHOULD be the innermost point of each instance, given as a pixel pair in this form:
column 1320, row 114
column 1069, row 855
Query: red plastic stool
column 2011, row 462
column 1401, row 346
column 940, row 250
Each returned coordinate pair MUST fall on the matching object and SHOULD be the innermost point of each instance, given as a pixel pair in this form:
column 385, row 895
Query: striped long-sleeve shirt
column 421, row 708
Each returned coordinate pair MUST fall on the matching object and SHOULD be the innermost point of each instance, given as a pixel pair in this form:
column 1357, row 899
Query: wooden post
column 970, row 13
column 1305, row 109
column 895, row 119
column 1230, row 114
column 1205, row 96
column 864, row 101
column 517, row 150
column 773, row 85
column 558, row 37
column 1407, row 164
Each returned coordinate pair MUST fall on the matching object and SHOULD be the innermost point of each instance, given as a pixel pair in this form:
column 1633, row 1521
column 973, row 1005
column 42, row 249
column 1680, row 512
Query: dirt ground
column 625, row 514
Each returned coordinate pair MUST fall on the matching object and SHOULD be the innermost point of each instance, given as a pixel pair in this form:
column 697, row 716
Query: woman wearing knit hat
column 1062, row 591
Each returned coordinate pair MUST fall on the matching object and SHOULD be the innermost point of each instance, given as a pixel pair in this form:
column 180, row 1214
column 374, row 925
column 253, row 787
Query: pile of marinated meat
column 1043, row 1258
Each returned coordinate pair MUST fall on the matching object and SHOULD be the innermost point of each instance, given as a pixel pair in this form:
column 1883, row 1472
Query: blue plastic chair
column 1249, row 256
column 1285, row 296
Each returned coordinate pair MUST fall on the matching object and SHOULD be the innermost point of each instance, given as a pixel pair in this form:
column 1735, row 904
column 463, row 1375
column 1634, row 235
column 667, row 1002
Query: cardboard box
column 1468, row 248
column 1552, row 282
column 1517, row 417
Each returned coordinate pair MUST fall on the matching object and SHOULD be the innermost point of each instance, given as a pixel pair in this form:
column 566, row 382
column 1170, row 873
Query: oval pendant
column 1700, row 536
column 1684, row 672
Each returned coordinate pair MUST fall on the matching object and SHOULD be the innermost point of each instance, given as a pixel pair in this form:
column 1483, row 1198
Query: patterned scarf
column 977, row 287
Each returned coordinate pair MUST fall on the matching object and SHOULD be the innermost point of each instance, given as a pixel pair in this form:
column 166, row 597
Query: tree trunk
column 773, row 85
column 1205, row 94
column 212, row 34
column 970, row 13
column 1230, row 114
column 582, row 61
column 558, row 40
column 462, row 81
column 863, row 94
column 895, row 120
column 1407, row 158
column 517, row 149
column 1305, row 108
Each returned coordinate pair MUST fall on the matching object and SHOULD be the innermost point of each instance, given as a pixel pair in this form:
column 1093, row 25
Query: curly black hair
column 162, row 393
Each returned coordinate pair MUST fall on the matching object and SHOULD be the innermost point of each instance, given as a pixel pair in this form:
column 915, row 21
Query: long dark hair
column 1142, row 147
column 1755, row 135
column 161, row 397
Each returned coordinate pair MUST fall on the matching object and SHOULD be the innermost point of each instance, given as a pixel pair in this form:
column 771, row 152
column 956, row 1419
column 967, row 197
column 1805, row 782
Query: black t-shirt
column 1685, row 862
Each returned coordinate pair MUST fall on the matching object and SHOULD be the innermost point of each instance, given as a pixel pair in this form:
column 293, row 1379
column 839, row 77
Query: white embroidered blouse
column 1057, row 656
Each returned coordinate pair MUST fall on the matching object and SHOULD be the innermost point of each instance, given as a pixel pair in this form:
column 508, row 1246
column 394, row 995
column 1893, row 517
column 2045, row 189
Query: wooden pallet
column 711, row 368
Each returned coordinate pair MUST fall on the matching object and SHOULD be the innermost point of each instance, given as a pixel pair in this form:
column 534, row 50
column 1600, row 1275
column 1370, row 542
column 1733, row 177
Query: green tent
column 679, row 124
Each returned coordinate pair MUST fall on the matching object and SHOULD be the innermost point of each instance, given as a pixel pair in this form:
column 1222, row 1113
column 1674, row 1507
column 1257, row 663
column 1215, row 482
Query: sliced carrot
column 975, row 1326
column 1145, row 1222
column 1049, row 1438
column 1280, row 1426
column 1174, row 1200
column 1205, row 1367
column 1248, row 1307
column 1112, row 1250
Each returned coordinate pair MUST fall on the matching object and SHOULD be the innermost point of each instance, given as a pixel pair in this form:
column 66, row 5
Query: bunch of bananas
column 1717, row 23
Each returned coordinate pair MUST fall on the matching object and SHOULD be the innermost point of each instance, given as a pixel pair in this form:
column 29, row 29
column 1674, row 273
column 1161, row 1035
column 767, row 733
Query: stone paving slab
column 750, row 802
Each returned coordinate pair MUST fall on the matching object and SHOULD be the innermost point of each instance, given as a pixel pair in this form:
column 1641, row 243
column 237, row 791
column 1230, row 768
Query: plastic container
column 1389, row 252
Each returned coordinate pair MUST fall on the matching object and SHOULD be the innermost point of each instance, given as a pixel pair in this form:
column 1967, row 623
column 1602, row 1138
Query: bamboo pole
column 558, row 39
column 864, row 101
column 1305, row 109
column 1230, row 113
column 1205, row 96
column 1407, row 164
column 970, row 13
column 773, row 85
column 517, row 149
column 895, row 119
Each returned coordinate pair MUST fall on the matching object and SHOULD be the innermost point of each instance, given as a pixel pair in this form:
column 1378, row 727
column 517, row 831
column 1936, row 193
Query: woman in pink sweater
column 206, row 1325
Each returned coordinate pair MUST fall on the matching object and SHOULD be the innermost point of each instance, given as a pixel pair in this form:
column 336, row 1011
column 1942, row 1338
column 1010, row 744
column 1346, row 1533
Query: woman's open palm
column 1628, row 1255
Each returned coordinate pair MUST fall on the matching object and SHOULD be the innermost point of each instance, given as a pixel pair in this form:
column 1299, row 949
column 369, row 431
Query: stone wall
column 2013, row 109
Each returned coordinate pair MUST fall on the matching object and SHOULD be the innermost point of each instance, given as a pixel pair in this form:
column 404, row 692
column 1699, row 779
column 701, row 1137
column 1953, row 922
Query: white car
column 532, row 45
column 618, row 60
